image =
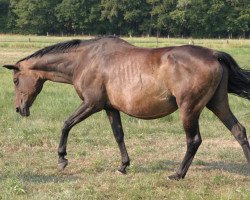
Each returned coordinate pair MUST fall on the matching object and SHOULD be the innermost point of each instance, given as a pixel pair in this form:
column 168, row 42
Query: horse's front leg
column 84, row 111
column 116, row 124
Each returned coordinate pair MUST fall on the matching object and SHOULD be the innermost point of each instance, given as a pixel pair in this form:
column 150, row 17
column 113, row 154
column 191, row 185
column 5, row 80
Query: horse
column 110, row 74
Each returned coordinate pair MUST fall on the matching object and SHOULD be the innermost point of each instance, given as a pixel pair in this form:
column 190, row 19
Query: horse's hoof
column 62, row 165
column 121, row 172
column 176, row 177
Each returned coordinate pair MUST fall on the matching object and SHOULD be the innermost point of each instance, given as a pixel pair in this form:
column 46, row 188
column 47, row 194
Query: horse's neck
column 56, row 68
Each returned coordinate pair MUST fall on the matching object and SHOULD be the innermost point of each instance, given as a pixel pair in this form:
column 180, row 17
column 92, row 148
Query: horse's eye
column 15, row 81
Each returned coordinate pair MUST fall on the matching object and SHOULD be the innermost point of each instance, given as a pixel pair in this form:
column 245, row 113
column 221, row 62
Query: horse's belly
column 151, row 109
column 145, row 104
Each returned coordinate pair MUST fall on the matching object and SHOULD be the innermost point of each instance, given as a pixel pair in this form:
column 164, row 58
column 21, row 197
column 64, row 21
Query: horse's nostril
column 17, row 110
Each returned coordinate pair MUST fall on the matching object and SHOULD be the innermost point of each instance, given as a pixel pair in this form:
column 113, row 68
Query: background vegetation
column 28, row 146
column 174, row 18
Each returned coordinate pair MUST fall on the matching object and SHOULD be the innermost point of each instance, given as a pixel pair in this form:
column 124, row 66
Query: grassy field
column 28, row 146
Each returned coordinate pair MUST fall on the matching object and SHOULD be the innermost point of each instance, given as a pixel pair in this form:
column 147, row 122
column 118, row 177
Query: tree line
column 174, row 18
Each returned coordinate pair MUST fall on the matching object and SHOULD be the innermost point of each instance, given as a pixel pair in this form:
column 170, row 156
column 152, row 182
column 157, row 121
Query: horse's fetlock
column 62, row 152
column 127, row 162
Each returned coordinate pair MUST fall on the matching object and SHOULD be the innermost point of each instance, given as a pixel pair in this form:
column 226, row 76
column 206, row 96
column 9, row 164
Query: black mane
column 56, row 48
column 61, row 47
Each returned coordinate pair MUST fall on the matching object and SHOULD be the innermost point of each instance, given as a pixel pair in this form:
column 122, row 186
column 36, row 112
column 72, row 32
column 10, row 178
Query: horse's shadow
column 148, row 167
column 152, row 167
column 167, row 165
column 48, row 178
column 235, row 168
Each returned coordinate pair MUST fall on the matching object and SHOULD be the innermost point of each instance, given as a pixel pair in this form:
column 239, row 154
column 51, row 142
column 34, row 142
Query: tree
column 181, row 18
column 111, row 10
column 126, row 16
column 240, row 23
column 160, row 16
column 73, row 15
column 4, row 7
column 80, row 16
column 34, row 16
column 134, row 13
column 195, row 18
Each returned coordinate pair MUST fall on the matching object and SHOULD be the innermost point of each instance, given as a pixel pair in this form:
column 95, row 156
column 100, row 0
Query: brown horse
column 111, row 74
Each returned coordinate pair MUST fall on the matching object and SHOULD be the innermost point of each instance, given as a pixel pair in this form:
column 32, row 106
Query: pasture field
column 28, row 146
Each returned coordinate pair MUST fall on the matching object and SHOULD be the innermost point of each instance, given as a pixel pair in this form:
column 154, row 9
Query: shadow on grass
column 151, row 167
column 50, row 178
column 167, row 165
column 236, row 168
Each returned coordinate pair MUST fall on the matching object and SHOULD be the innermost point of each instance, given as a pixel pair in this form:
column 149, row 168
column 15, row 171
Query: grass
column 28, row 146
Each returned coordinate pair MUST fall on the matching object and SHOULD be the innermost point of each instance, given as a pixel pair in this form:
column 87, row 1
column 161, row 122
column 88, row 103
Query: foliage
column 4, row 5
column 34, row 16
column 195, row 18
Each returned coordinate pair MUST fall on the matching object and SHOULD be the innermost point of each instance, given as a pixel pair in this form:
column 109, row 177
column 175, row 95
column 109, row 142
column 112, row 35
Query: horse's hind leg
column 193, row 138
column 222, row 111
column 115, row 121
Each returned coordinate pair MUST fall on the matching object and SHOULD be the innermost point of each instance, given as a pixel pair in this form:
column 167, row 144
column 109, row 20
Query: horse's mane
column 62, row 47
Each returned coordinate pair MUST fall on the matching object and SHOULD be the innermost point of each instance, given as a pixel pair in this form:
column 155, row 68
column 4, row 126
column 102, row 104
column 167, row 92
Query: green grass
column 28, row 146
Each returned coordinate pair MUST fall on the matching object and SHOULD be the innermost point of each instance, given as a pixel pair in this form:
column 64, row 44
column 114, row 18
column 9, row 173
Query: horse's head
column 28, row 85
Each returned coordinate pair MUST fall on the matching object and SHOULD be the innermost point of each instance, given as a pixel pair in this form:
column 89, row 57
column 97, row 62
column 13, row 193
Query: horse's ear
column 11, row 67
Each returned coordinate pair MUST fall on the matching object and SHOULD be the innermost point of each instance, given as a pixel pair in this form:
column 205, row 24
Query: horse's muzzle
column 25, row 112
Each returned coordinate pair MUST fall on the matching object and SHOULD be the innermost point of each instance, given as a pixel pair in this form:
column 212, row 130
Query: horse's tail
column 239, row 79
